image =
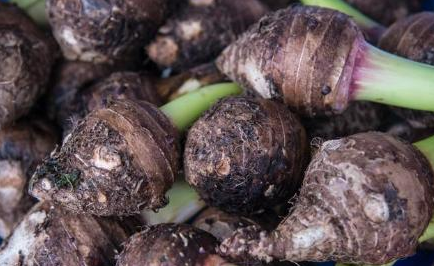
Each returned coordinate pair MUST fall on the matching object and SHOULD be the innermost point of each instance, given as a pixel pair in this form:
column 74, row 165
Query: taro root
column 358, row 117
column 123, row 157
column 335, row 65
column 366, row 198
column 200, row 30
column 105, row 31
column 53, row 236
column 22, row 147
column 26, row 57
column 171, row 245
column 245, row 155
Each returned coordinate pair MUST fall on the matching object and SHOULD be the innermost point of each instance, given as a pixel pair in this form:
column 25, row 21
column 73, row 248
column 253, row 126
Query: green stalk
column 386, row 78
column 35, row 9
column 426, row 146
column 184, row 203
column 186, row 109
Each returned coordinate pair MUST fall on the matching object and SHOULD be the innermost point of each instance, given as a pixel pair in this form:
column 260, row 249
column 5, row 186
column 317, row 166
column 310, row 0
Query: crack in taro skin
column 366, row 199
column 49, row 235
column 171, row 245
column 117, row 161
column 304, row 55
column 245, row 155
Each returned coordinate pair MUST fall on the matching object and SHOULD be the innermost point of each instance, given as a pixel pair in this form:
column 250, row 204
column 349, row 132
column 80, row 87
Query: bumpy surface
column 52, row 236
column 118, row 160
column 244, row 154
column 358, row 117
column 365, row 199
column 105, row 31
column 170, row 245
column 301, row 54
column 22, row 147
column 200, row 30
column 26, row 57
column 387, row 11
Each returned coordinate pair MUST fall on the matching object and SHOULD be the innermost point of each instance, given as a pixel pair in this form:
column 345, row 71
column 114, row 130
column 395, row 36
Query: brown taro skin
column 26, row 57
column 105, row 31
column 200, row 30
column 171, row 245
column 22, row 147
column 51, row 236
column 302, row 54
column 245, row 155
column 387, row 11
column 118, row 160
column 365, row 199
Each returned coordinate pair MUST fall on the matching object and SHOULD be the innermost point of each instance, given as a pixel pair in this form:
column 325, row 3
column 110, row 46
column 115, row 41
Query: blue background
column 422, row 258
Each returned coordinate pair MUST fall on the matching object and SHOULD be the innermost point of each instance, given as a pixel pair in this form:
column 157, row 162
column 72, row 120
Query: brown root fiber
column 22, row 147
column 245, row 155
column 118, row 160
column 302, row 54
column 105, row 31
column 53, row 236
column 366, row 199
column 387, row 11
column 171, row 245
column 26, row 57
column 200, row 30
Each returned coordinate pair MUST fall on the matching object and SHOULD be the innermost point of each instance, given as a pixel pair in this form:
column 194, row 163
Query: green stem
column 373, row 29
column 186, row 109
column 184, row 203
column 386, row 78
column 35, row 9
column 426, row 146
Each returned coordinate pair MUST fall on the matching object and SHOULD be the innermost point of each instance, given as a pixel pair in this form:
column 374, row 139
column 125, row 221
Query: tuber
column 334, row 64
column 366, row 198
column 200, row 30
column 123, row 157
column 22, row 147
column 53, row 236
column 105, row 31
column 26, row 57
column 171, row 245
column 245, row 155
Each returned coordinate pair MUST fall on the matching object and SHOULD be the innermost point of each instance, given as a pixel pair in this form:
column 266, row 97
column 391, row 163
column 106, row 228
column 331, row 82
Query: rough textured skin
column 245, row 155
column 26, row 57
column 70, row 79
column 302, row 54
column 387, row 11
column 170, row 245
column 22, row 147
column 365, row 199
column 192, row 79
column 200, row 30
column 118, row 160
column 278, row 4
column 52, row 236
column 105, row 31
column 412, row 38
column 358, row 117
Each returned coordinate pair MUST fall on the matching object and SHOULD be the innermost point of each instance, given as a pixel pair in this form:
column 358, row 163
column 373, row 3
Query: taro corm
column 245, row 155
column 22, row 147
column 200, row 30
column 334, row 64
column 105, row 31
column 51, row 236
column 26, row 57
column 123, row 157
column 171, row 245
column 366, row 198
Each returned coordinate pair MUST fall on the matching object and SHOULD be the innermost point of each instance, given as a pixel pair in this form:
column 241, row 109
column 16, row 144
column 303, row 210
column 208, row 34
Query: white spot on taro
column 102, row 198
column 256, row 79
column 190, row 29
column 376, row 208
column 106, row 159
column 46, row 184
column 188, row 86
column 68, row 36
column 309, row 237
column 270, row 191
column 201, row 2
